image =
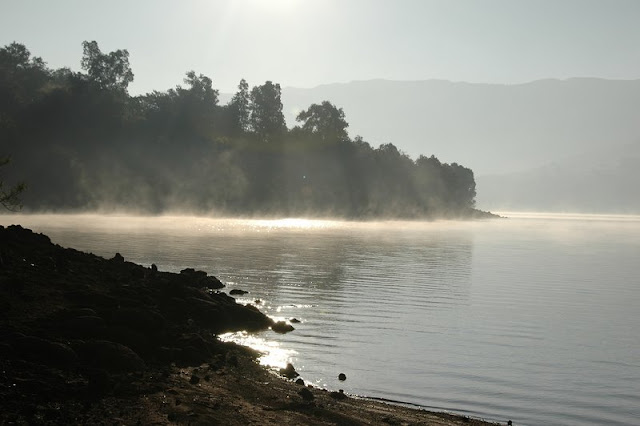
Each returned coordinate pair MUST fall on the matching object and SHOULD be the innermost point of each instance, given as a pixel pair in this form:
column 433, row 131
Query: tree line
column 81, row 142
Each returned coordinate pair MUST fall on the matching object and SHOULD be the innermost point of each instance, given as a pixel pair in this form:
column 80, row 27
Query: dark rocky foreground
column 85, row 340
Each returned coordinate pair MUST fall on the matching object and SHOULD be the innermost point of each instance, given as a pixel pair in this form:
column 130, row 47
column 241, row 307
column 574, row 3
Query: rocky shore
column 86, row 340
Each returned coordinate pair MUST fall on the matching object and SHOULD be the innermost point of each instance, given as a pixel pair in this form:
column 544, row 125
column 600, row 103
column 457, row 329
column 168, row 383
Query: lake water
column 535, row 318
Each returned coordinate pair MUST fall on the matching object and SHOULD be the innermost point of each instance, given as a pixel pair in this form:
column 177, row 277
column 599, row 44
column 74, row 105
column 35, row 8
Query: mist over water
column 531, row 318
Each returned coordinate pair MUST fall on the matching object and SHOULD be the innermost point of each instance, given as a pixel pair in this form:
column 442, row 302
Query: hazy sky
column 304, row 43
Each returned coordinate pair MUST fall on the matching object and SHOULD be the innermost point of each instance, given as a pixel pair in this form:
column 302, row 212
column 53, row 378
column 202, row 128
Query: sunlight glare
column 273, row 355
column 292, row 223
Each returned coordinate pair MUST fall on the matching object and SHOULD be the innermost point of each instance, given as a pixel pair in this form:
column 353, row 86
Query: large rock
column 140, row 319
column 110, row 356
column 45, row 352
column 195, row 278
column 84, row 326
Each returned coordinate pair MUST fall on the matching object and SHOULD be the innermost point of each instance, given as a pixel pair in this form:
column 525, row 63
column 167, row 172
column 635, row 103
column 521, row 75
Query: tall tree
column 21, row 78
column 267, row 119
column 239, row 106
column 200, row 89
column 324, row 120
column 107, row 70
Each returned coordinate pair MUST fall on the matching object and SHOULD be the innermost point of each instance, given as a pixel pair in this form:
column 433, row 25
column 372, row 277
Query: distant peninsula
column 81, row 143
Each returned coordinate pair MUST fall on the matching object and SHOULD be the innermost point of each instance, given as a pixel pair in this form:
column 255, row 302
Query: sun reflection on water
column 273, row 355
column 291, row 223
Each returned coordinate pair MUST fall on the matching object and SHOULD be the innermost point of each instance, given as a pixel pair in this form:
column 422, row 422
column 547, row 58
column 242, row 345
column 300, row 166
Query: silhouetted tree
column 325, row 121
column 266, row 119
column 200, row 89
column 107, row 70
column 240, row 107
column 21, row 78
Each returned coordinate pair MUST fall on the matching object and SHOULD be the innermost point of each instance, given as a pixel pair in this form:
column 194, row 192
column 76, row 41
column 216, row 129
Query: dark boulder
column 207, row 312
column 25, row 236
column 338, row 395
column 192, row 273
column 97, row 300
column 342, row 377
column 140, row 342
column 191, row 355
column 109, row 356
column 289, row 372
column 167, row 354
column 194, row 278
column 282, row 327
column 237, row 292
column 44, row 351
column 140, row 319
column 194, row 349
column 84, row 326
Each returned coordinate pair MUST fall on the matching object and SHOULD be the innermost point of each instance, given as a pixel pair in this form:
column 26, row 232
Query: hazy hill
column 504, row 133
column 602, row 181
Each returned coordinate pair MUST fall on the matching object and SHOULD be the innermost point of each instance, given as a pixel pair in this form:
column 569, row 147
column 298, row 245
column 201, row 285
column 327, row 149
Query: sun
column 281, row 7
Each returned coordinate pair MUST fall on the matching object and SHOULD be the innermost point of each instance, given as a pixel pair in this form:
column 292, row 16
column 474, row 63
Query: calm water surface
column 534, row 318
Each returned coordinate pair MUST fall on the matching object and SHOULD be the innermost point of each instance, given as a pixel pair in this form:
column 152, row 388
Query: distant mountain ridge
column 496, row 129
column 595, row 182
column 488, row 127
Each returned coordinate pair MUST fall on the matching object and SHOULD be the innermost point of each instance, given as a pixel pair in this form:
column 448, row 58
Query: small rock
column 338, row 395
column 300, row 382
column 282, row 327
column 236, row 291
column 194, row 380
column 289, row 372
column 294, row 320
column 342, row 377
column 118, row 258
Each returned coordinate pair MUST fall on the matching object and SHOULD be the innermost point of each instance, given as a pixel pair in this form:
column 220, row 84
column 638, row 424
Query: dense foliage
column 81, row 141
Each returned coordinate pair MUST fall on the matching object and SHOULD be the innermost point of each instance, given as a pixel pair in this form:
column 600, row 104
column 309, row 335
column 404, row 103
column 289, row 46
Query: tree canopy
column 82, row 142
column 266, row 119
column 324, row 120
column 107, row 70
